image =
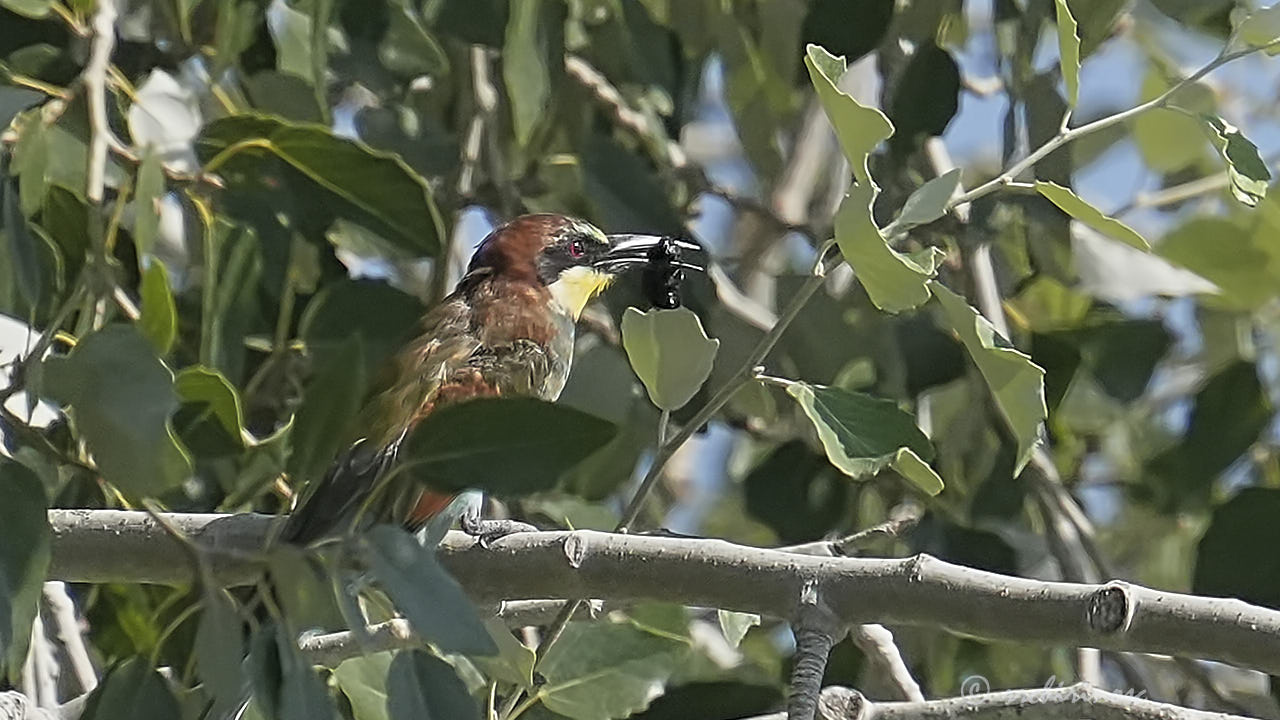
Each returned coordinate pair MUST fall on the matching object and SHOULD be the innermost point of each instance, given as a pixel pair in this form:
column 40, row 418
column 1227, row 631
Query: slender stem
column 1066, row 136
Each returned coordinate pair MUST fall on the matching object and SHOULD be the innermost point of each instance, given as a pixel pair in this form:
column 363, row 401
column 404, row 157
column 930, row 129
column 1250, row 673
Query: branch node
column 575, row 549
column 841, row 703
column 1110, row 610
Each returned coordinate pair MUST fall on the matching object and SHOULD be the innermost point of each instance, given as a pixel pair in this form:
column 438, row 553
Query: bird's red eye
column 576, row 250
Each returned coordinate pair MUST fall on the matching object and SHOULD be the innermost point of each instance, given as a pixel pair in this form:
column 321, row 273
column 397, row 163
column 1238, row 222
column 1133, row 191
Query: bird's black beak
column 633, row 251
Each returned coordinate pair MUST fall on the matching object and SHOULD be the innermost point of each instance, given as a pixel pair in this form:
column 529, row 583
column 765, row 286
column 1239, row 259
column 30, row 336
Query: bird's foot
column 487, row 531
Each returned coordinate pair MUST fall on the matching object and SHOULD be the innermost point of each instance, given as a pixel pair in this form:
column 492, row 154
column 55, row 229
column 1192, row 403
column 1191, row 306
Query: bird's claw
column 487, row 531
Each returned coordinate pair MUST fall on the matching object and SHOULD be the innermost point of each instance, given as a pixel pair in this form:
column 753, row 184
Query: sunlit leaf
column 514, row 661
column 24, row 559
column 863, row 435
column 197, row 384
column 363, row 680
column 122, row 397
column 508, row 446
column 1016, row 383
column 1068, row 51
column 928, row 202
column 894, row 281
column 1245, row 266
column 1248, row 173
column 600, row 671
column 859, row 128
column 735, row 625
column 670, row 353
column 1261, row 28
column 29, row 8
column 1071, row 204
column 159, row 319
column 437, row 608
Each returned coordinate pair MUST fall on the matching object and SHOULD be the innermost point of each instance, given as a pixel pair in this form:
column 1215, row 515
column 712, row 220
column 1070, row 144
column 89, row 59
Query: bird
column 506, row 329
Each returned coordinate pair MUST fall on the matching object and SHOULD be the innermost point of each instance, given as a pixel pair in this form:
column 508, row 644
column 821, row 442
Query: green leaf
column 368, row 187
column 383, row 317
column 1071, row 204
column 514, row 661
column 408, row 49
column 858, row 127
column 864, row 435
column 323, row 423
column 1016, row 383
column 198, row 384
column 927, row 203
column 532, row 57
column 24, row 559
column 894, row 282
column 1169, row 140
column 1068, row 51
column 1248, row 173
column 34, row 9
column 735, row 625
column 25, row 252
column 284, row 684
column 132, row 689
column 437, row 608
column 219, row 650
column 507, row 446
column 146, row 202
column 1234, row 557
column 421, row 686
column 1245, row 266
column 159, row 320
column 1261, row 28
column 364, row 681
column 670, row 353
column 122, row 397
column 599, row 671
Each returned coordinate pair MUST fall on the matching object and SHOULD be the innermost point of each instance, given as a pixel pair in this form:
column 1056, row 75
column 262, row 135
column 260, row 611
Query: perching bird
column 507, row 329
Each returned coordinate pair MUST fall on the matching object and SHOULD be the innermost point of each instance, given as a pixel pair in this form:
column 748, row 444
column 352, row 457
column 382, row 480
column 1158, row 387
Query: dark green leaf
column 304, row 589
column 1235, row 558
column 797, row 493
column 371, row 188
column 851, row 29
column 864, row 435
column 323, row 423
column 24, row 559
column 434, row 603
column 1231, row 411
column 421, row 686
column 146, row 203
column 599, row 671
column 670, row 353
column 219, row 650
column 284, row 684
column 65, row 218
column 1248, row 173
column 122, row 397
column 926, row 97
column 132, row 689
column 383, row 317
column 407, row 48
column 24, row 247
column 623, row 190
column 508, row 446
column 1016, row 383
column 159, row 319
column 532, row 60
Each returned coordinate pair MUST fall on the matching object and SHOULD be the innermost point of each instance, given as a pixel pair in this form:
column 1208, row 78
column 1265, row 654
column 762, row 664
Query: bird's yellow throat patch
column 576, row 286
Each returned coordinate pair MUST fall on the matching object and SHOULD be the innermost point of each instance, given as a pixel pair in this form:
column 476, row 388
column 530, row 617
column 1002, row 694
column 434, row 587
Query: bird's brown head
column 572, row 258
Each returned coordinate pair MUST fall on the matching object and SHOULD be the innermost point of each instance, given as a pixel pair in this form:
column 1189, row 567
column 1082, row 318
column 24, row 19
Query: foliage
column 288, row 185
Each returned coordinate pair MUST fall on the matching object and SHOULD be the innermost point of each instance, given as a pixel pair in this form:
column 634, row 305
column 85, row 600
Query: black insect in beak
column 662, row 259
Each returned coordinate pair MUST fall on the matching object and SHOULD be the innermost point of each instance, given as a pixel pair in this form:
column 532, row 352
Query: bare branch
column 1066, row 703
column 122, row 546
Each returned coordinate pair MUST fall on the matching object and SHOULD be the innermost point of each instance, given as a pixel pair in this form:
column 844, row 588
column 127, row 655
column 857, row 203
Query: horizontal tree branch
column 121, row 546
column 1074, row 702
